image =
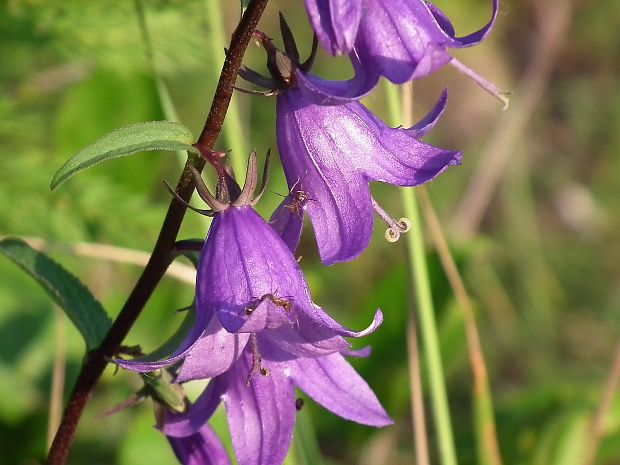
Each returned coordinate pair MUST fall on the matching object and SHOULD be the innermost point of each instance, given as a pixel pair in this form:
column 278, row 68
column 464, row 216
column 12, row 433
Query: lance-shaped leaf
column 153, row 135
column 64, row 288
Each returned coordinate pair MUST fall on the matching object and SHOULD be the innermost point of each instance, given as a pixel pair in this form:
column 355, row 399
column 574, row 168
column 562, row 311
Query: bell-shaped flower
column 258, row 391
column 256, row 373
column 248, row 282
column 399, row 39
column 333, row 152
column 332, row 147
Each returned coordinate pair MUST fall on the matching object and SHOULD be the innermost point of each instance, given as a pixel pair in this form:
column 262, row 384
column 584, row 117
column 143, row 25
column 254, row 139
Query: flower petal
column 395, row 155
column 261, row 416
column 314, row 142
column 214, row 353
column 401, row 40
column 470, row 39
column 364, row 352
column 423, row 127
column 239, row 319
column 148, row 363
column 335, row 23
column 409, row 39
column 334, row 384
column 243, row 262
column 305, row 339
column 191, row 421
column 326, row 92
column 323, row 319
column 201, row 448
column 288, row 220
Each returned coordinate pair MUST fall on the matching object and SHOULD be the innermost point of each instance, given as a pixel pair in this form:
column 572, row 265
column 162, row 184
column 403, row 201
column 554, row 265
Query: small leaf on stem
column 153, row 135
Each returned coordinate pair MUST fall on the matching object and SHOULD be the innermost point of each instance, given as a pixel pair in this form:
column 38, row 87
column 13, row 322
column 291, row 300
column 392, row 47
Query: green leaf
column 244, row 5
column 64, row 288
column 153, row 135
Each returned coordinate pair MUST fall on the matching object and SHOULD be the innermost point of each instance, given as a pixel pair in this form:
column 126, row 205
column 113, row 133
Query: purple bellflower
column 399, row 39
column 248, row 282
column 260, row 336
column 258, row 390
column 332, row 146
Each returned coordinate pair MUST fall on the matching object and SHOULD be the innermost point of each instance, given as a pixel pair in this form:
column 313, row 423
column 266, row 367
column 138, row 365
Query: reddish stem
column 161, row 257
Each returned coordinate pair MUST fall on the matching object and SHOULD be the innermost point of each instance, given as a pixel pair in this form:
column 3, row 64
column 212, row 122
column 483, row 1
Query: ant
column 298, row 202
column 277, row 301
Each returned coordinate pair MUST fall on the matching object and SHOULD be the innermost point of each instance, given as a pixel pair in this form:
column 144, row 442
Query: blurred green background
column 532, row 217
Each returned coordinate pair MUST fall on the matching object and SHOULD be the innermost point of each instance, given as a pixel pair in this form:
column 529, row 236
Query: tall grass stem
column 426, row 313
column 486, row 432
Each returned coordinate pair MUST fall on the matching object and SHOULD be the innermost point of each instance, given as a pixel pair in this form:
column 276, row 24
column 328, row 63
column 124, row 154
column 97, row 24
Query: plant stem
column 486, row 432
column 233, row 129
column 97, row 360
column 420, row 282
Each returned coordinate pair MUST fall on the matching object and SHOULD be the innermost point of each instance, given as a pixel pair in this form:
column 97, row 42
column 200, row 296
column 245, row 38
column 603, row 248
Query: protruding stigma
column 396, row 228
column 487, row 85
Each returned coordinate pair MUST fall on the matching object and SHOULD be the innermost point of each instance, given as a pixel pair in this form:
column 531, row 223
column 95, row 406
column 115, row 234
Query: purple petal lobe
column 324, row 319
column 396, row 156
column 335, row 23
column 261, row 416
column 324, row 92
column 314, row 143
column 334, row 384
column 401, row 40
column 214, row 353
column 288, row 220
column 409, row 39
column 243, row 318
column 145, row 364
column 191, row 421
column 423, row 127
column 305, row 339
column 244, row 261
column 470, row 39
column 201, row 448
column 359, row 353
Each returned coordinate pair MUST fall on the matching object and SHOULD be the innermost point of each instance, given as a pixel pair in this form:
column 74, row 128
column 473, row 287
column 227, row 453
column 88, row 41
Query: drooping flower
column 332, row 146
column 261, row 408
column 256, row 374
column 399, row 39
column 248, row 281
